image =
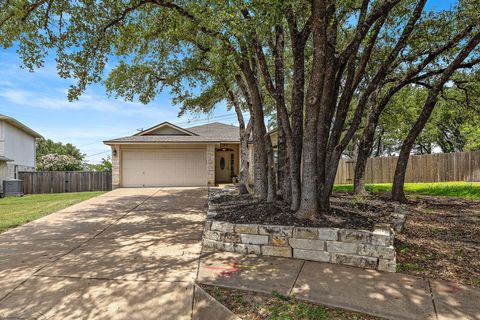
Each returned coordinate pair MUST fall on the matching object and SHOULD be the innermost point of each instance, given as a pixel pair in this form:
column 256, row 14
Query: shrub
column 59, row 162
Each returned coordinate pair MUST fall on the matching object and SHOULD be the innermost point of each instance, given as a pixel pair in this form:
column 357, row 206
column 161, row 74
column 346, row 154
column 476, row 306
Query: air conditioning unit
column 13, row 187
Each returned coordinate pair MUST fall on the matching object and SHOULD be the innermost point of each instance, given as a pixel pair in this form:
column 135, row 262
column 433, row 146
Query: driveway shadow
column 112, row 258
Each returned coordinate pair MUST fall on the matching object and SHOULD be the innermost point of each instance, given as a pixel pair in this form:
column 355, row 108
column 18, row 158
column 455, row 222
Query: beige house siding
column 116, row 155
column 166, row 130
column 211, row 164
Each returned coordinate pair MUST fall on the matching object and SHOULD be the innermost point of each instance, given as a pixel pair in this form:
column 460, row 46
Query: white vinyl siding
column 164, row 167
column 18, row 146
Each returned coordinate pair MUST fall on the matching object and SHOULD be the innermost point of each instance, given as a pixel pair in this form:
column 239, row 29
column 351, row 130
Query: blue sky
column 39, row 100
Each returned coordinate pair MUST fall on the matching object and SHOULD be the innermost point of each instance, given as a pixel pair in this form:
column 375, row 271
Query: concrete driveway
column 127, row 254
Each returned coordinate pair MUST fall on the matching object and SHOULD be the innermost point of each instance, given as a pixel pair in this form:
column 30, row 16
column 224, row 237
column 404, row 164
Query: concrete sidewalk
column 388, row 295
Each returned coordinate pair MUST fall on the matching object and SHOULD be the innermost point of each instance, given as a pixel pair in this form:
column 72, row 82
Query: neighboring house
column 17, row 148
column 168, row 155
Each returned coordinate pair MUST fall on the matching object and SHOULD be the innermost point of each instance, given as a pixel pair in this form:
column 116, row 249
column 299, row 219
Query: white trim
column 17, row 124
column 111, row 143
column 166, row 123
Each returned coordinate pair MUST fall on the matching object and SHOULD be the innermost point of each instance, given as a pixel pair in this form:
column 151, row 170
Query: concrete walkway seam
column 296, row 278
column 432, row 297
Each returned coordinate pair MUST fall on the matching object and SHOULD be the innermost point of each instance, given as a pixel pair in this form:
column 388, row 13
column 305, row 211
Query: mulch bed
column 257, row 306
column 440, row 240
column 347, row 212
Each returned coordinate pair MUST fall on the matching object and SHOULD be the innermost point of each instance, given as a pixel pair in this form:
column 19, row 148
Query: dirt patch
column 347, row 212
column 256, row 306
column 441, row 240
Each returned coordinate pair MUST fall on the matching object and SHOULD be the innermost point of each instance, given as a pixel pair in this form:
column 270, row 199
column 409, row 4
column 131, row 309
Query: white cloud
column 55, row 100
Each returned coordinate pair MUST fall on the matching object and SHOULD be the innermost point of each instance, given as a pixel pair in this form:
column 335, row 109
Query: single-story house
column 168, row 155
column 17, row 148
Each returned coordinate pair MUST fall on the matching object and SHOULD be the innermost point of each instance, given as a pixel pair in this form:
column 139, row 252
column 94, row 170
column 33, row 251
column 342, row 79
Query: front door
column 224, row 165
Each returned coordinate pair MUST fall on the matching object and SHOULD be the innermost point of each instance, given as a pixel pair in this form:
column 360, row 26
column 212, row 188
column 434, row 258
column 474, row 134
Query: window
column 222, row 163
column 232, row 165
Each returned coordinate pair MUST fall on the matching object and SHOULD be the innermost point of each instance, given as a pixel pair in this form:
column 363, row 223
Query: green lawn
column 464, row 190
column 15, row 211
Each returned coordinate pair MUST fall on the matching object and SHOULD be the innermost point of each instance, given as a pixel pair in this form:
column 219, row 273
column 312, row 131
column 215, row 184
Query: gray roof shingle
column 212, row 132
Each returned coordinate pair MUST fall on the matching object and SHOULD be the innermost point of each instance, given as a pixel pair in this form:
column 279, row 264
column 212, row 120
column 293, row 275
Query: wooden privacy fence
column 65, row 181
column 439, row 167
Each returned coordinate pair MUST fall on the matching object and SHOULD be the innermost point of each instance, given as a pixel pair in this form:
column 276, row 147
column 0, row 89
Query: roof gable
column 215, row 132
column 20, row 126
column 165, row 129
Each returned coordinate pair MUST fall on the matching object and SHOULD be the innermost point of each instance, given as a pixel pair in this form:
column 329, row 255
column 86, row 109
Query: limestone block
column 213, row 235
column 277, row 230
column 376, row 251
column 222, row 226
column 348, row 235
column 231, row 237
column 313, row 255
column 305, row 233
column 277, row 251
column 328, row 234
column 248, row 248
column 307, row 244
column 387, row 265
column 342, row 247
column 246, row 228
column 278, row 241
column 254, row 239
column 356, row 261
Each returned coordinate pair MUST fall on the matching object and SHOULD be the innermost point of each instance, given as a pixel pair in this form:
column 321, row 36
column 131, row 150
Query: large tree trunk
column 359, row 175
column 261, row 171
column 309, row 200
column 364, row 149
column 298, row 40
column 277, row 91
column 367, row 139
column 244, row 132
column 244, row 164
column 328, row 105
column 271, row 175
column 398, row 192
column 260, row 166
column 284, row 186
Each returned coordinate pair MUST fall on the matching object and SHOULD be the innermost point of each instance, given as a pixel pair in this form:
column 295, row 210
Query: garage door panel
column 168, row 167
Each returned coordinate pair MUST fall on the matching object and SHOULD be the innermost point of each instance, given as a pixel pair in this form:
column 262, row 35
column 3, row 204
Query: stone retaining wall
column 365, row 249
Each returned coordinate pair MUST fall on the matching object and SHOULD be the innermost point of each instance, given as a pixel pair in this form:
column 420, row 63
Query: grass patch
column 282, row 307
column 257, row 306
column 15, row 211
column 476, row 282
column 463, row 190
column 401, row 267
